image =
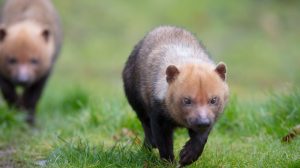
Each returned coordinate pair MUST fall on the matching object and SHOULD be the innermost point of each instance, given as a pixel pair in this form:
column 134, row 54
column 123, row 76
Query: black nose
column 21, row 82
column 203, row 123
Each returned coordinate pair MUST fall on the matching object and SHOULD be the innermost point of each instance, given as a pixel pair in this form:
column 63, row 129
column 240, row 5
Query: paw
column 189, row 154
column 153, row 143
column 148, row 145
column 149, row 142
column 168, row 158
column 30, row 120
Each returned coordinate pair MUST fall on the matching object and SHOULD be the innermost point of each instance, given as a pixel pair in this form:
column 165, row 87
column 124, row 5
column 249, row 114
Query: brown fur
column 197, row 75
column 25, row 42
column 24, row 23
column 292, row 134
column 170, row 81
column 30, row 41
column 200, row 83
column 40, row 11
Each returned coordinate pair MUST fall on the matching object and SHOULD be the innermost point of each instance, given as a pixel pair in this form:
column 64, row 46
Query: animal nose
column 22, row 80
column 23, row 75
column 22, row 83
column 203, row 123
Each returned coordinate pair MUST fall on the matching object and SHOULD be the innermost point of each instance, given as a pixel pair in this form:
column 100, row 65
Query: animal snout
column 23, row 76
column 199, row 123
column 203, row 123
column 22, row 79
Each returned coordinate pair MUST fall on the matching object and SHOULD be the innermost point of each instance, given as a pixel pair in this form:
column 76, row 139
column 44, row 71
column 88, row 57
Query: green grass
column 77, row 130
column 84, row 120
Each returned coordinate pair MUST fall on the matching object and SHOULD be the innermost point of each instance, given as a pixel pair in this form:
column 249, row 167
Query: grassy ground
column 77, row 130
column 84, row 119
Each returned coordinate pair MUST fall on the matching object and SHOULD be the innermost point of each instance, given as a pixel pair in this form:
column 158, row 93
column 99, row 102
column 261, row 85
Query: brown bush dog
column 30, row 41
column 170, row 82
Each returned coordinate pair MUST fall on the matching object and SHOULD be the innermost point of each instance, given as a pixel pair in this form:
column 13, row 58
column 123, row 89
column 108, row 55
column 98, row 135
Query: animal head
column 196, row 94
column 26, row 49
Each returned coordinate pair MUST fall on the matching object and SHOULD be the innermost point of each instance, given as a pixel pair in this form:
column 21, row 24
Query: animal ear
column 221, row 70
column 172, row 73
column 2, row 34
column 46, row 34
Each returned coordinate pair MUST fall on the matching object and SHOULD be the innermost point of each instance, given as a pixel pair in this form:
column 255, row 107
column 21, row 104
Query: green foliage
column 230, row 121
column 10, row 118
column 75, row 101
column 282, row 112
column 276, row 117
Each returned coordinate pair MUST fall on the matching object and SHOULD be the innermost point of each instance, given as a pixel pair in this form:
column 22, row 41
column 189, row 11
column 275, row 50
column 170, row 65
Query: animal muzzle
column 200, row 123
column 22, row 77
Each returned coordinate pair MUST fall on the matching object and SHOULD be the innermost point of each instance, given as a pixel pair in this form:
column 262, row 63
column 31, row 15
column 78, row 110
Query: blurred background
column 258, row 40
column 83, row 111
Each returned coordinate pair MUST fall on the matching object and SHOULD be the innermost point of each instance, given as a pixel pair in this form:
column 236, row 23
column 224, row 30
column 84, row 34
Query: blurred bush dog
column 170, row 81
column 30, row 41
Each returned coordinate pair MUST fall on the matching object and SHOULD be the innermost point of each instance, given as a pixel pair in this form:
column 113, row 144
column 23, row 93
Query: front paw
column 169, row 158
column 149, row 145
column 189, row 154
column 30, row 119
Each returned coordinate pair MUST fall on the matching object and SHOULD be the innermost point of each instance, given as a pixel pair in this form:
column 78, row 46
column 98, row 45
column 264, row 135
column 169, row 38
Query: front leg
column 162, row 132
column 9, row 93
column 194, row 147
column 30, row 98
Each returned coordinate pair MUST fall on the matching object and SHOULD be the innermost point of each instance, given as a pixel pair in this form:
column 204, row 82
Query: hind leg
column 134, row 97
column 138, row 106
column 148, row 141
column 162, row 131
column 145, row 121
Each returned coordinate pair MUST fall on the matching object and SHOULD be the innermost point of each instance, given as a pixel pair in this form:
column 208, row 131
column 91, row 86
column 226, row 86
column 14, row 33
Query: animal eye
column 213, row 101
column 12, row 61
column 187, row 101
column 34, row 61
